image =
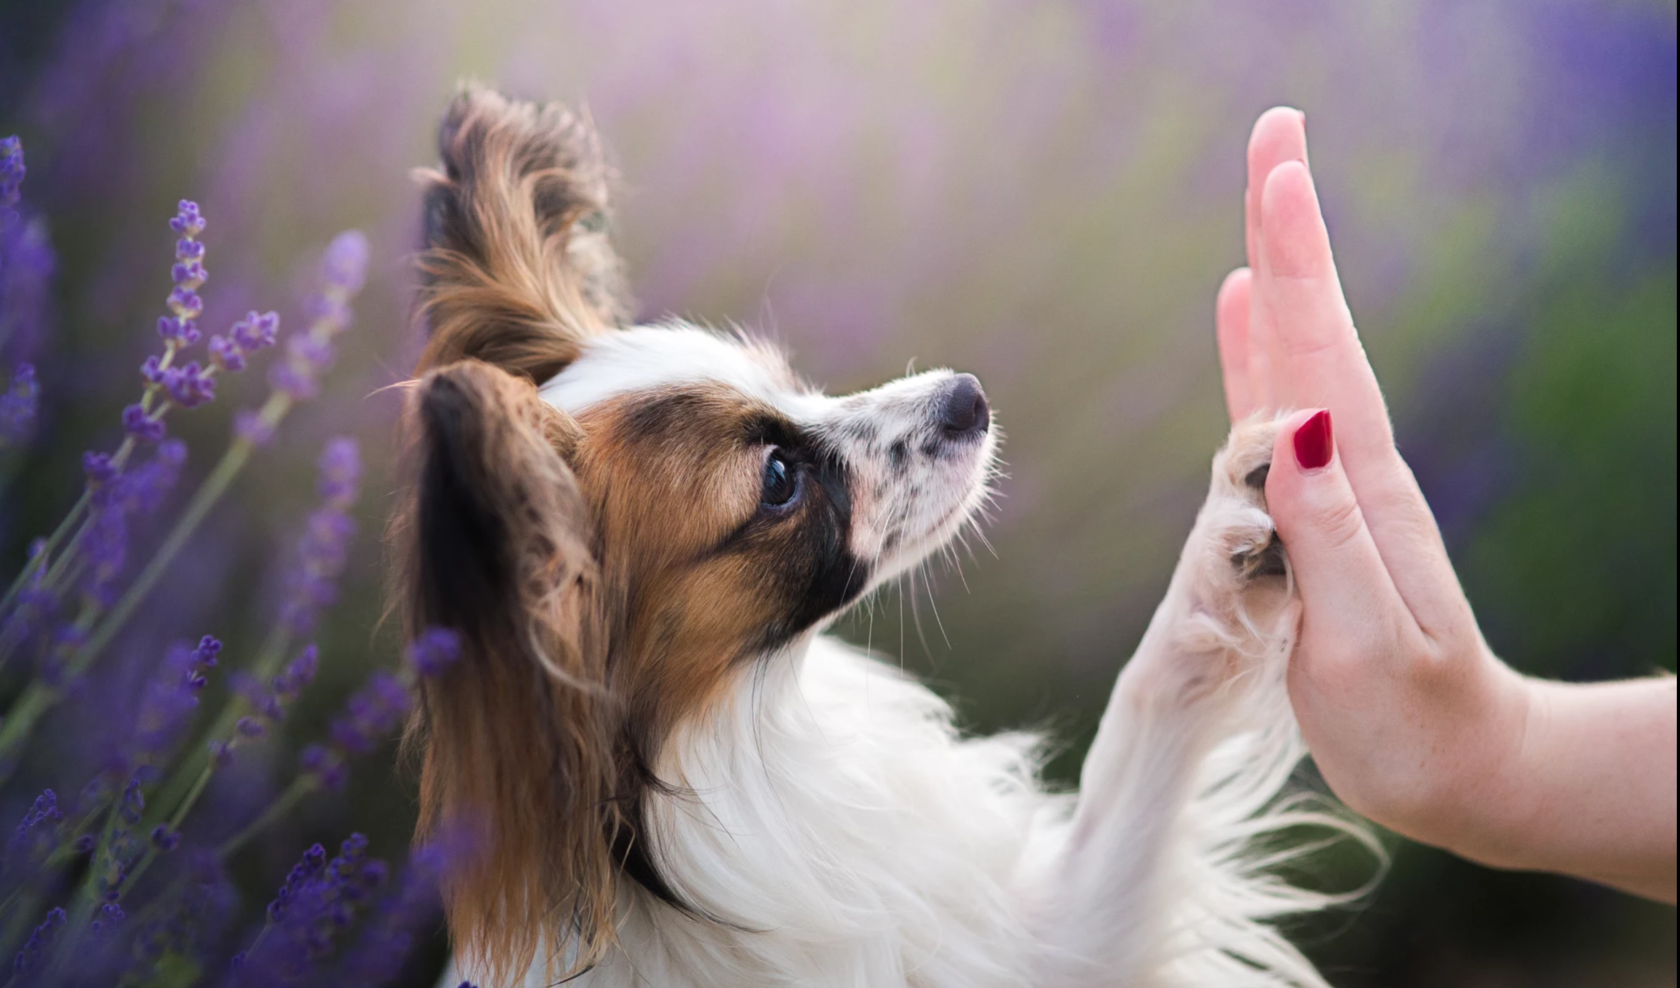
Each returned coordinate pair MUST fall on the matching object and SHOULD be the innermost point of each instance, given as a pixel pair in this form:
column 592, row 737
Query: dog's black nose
column 963, row 410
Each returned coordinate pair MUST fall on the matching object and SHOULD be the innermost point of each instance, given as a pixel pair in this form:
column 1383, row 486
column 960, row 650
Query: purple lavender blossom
column 318, row 902
column 171, row 699
column 35, row 835
column 245, row 337
column 372, row 714
column 413, row 905
column 207, row 904
column 252, row 427
column 309, row 354
column 434, row 651
column 165, row 838
column 27, row 263
column 116, row 499
column 105, row 925
column 40, row 944
column 188, row 274
column 11, row 173
column 18, row 406
column 141, row 426
column 326, row 765
column 312, row 585
column 297, row 675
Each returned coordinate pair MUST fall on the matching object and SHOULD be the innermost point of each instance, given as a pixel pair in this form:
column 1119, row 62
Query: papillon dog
column 675, row 778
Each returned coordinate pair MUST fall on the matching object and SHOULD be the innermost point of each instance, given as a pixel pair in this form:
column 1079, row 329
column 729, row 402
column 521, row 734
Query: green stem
column 37, row 698
column 302, row 786
column 267, row 664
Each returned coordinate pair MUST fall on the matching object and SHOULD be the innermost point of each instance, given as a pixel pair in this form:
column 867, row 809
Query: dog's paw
column 1232, row 605
column 1239, row 493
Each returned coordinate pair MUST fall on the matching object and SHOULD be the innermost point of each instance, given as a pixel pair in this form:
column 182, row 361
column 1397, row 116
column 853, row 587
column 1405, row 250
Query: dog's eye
column 781, row 483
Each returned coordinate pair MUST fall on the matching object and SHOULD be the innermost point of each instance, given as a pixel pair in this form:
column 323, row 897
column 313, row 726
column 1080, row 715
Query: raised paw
column 1239, row 478
column 1232, row 604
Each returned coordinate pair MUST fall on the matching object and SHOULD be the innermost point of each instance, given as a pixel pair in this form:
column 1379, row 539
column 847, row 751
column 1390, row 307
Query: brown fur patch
column 519, row 268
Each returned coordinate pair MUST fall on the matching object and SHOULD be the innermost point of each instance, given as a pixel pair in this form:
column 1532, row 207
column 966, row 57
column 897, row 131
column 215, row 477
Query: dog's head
column 619, row 520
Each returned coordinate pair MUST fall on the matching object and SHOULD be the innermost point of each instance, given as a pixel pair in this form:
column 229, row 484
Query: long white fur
column 836, row 830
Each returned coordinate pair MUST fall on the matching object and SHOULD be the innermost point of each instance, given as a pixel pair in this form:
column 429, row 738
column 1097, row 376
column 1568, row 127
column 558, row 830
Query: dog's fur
column 674, row 777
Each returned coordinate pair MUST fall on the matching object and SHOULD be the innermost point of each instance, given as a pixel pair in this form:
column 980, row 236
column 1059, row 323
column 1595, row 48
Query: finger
column 1346, row 590
column 1279, row 136
column 1372, row 549
column 1317, row 357
column 1231, row 321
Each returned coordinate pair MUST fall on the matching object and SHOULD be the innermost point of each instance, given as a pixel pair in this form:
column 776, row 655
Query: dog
column 674, row 776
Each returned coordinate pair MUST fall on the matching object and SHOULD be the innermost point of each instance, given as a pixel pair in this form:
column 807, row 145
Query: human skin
column 1412, row 719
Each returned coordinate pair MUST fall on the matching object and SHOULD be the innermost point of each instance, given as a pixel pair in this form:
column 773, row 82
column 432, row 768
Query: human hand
column 1411, row 718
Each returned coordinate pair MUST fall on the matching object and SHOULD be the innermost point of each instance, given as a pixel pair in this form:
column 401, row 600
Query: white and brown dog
column 641, row 532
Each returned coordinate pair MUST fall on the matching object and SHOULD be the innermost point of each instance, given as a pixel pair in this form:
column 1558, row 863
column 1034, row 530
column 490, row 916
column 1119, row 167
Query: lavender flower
column 141, row 426
column 115, row 500
column 27, row 265
column 372, row 714
column 17, row 407
column 309, row 354
column 247, row 336
column 379, row 953
column 206, row 905
column 40, row 944
column 11, row 173
column 318, row 902
column 189, row 274
column 171, row 699
column 321, row 552
column 34, row 836
column 434, row 651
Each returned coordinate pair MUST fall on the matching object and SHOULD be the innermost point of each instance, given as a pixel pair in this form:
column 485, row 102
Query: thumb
column 1346, row 590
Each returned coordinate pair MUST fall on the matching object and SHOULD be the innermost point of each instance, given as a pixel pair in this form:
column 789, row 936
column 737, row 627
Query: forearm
column 1591, row 790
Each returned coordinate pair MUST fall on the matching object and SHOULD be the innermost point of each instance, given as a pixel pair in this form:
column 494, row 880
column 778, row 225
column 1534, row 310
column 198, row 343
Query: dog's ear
column 495, row 542
column 518, row 269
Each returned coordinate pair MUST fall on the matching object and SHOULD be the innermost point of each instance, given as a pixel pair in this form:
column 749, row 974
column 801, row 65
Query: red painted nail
column 1314, row 442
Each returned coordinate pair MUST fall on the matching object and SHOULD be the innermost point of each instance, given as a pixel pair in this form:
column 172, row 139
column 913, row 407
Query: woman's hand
column 1411, row 718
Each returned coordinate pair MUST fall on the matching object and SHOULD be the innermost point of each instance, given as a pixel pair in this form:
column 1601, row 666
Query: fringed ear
column 518, row 268
column 518, row 735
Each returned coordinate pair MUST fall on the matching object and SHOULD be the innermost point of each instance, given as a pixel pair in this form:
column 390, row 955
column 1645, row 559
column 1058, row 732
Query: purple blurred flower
column 116, row 498
column 207, row 904
column 326, row 765
column 310, row 353
column 297, row 675
column 164, row 838
column 412, row 906
column 321, row 552
column 40, row 944
column 180, row 332
column 372, row 714
column 245, row 337
column 251, row 427
column 18, row 406
column 344, row 264
column 27, row 263
column 318, row 902
column 11, row 174
column 33, row 838
column 143, row 427
column 170, row 700
column 188, row 222
column 434, row 651
column 105, row 925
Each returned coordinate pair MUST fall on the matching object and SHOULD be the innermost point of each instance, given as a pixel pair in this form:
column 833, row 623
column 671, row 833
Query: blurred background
column 1046, row 194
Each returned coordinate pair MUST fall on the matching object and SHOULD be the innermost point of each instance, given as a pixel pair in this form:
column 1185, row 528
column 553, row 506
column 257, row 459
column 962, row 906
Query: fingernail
column 1314, row 442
